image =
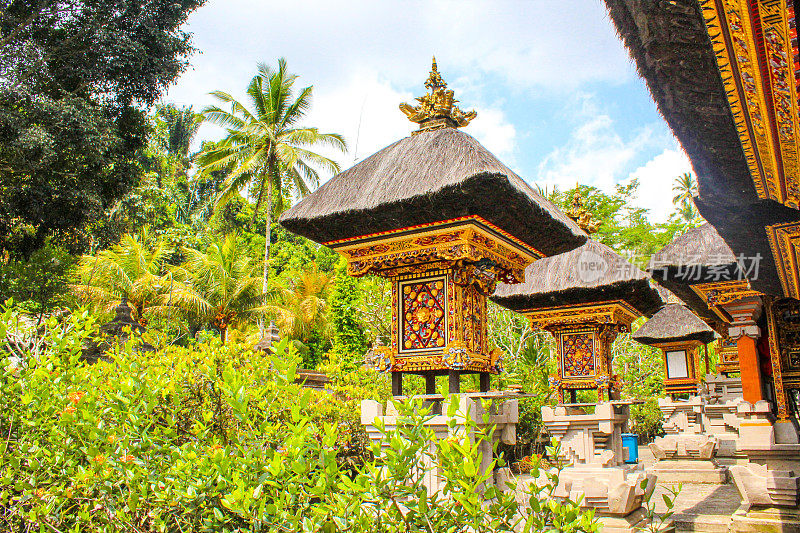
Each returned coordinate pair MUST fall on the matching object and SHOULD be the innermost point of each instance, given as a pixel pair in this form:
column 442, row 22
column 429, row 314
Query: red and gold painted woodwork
column 784, row 241
column 441, row 275
column 728, row 355
column 584, row 334
column 783, row 322
column 720, row 293
column 755, row 44
column 686, row 378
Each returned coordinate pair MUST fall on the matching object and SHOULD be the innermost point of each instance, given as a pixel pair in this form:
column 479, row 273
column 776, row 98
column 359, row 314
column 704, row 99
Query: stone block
column 689, row 471
column 765, row 520
column 761, row 486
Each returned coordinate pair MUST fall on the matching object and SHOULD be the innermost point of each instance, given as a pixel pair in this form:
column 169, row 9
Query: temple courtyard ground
column 701, row 507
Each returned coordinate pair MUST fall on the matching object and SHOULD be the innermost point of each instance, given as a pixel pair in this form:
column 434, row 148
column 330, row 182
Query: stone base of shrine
column 765, row 520
column 634, row 522
column 689, row 471
column 476, row 411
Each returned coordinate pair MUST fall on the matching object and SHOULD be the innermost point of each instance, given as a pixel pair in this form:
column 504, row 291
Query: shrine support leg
column 485, row 381
column 454, row 382
column 397, row 384
column 430, row 383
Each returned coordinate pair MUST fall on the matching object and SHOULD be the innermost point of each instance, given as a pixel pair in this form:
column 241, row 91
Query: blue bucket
column 630, row 448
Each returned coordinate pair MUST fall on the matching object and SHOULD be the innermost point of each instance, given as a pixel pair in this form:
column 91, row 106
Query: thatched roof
column 429, row 177
column 672, row 51
column 673, row 323
column 569, row 279
column 701, row 246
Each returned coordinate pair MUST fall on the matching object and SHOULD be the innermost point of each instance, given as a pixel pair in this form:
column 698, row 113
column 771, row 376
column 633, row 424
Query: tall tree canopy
column 266, row 146
column 76, row 78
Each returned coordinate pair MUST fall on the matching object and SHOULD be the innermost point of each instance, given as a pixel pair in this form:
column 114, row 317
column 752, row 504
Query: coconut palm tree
column 685, row 187
column 220, row 286
column 133, row 269
column 265, row 145
column 302, row 307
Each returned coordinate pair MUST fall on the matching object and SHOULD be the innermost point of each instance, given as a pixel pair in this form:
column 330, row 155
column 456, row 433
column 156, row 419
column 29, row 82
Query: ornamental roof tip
column 437, row 109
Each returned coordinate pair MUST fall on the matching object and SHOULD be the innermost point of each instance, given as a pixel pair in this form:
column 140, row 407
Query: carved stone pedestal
column 503, row 414
column 597, row 474
column 720, row 417
column 770, row 483
column 766, row 520
column 685, row 454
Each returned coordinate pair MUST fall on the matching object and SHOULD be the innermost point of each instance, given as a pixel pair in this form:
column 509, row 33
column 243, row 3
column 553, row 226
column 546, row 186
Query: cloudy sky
column 558, row 99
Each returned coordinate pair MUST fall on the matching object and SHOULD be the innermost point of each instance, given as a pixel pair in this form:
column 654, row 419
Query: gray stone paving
column 699, row 507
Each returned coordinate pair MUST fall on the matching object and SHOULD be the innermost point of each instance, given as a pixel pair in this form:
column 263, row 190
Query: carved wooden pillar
column 745, row 332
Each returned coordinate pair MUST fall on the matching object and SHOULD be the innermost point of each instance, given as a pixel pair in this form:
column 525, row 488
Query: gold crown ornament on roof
column 437, row 109
column 581, row 216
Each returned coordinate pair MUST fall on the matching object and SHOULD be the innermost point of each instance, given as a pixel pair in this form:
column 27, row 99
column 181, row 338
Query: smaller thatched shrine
column 681, row 335
column 445, row 221
column 702, row 270
column 584, row 298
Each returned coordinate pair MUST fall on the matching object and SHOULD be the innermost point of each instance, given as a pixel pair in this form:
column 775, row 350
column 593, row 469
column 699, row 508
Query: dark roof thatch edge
column 311, row 227
column 673, row 323
column 670, row 46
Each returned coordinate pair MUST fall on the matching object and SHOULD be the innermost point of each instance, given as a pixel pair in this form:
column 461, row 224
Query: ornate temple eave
column 616, row 312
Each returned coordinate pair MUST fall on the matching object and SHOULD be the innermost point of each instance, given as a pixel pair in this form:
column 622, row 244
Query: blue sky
column 558, row 99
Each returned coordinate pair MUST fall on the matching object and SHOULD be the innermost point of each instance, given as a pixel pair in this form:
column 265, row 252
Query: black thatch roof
column 673, row 323
column 672, row 51
column 694, row 257
column 567, row 279
column 429, row 177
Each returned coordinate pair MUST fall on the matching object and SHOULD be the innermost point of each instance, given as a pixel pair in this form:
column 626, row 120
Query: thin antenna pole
column 358, row 131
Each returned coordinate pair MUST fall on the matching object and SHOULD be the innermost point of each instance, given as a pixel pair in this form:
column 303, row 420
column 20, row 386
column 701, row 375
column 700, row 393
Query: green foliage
column 220, row 286
column 220, row 438
column 349, row 343
column 71, row 128
column 40, row 282
column 623, row 228
column 265, row 150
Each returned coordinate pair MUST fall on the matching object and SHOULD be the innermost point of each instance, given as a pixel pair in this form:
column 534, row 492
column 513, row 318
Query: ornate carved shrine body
column 445, row 221
column 584, row 335
column 441, row 274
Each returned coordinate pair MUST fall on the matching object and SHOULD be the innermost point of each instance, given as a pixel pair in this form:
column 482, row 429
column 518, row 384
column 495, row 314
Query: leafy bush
column 220, row 438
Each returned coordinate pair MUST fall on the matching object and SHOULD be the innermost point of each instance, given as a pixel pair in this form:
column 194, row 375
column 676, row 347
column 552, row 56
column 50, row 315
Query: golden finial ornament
column 437, row 109
column 579, row 213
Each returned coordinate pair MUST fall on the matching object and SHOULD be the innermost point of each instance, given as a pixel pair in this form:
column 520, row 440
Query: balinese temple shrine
column 701, row 269
column 724, row 74
column 681, row 336
column 584, row 298
column 443, row 219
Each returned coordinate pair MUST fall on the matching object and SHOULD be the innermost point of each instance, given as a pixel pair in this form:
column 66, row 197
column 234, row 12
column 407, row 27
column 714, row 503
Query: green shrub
column 220, row 438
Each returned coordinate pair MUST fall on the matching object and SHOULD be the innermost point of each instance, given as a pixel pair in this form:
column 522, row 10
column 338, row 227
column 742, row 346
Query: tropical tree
column 301, row 308
column 685, row 189
column 265, row 145
column 133, row 269
column 182, row 125
column 220, row 286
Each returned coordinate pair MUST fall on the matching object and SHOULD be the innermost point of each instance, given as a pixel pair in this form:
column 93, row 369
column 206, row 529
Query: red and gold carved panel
column 577, row 355
column 754, row 42
column 728, row 356
column 423, row 314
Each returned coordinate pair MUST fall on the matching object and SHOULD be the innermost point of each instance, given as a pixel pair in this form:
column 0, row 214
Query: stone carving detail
column 592, row 444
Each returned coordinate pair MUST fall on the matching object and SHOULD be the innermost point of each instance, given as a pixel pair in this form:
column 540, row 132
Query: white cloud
column 655, row 182
column 381, row 50
column 595, row 155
